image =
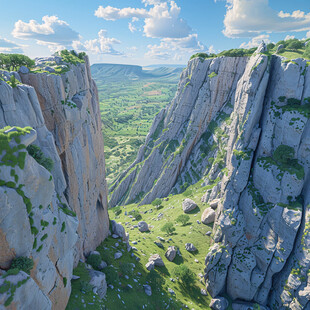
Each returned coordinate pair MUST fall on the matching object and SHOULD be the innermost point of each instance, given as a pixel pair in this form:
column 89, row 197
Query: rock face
column 53, row 217
column 188, row 205
column 241, row 125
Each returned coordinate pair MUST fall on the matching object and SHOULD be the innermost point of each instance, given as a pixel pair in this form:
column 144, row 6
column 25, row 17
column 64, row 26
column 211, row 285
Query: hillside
column 130, row 96
column 239, row 125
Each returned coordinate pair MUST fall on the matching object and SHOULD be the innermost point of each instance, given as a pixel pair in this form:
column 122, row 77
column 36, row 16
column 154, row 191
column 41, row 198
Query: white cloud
column 51, row 31
column 160, row 21
column 101, row 45
column 164, row 22
column 246, row 18
column 288, row 37
column 111, row 13
column 256, row 41
column 175, row 48
column 7, row 46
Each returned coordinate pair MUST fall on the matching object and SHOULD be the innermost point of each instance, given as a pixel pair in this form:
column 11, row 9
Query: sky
column 145, row 32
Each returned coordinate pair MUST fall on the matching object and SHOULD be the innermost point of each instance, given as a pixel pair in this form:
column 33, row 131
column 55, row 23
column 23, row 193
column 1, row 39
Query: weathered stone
column 150, row 265
column 118, row 255
column 190, row 247
column 208, row 216
column 143, row 226
column 219, row 303
column 214, row 203
column 171, row 253
column 97, row 280
column 147, row 290
column 188, row 205
column 157, row 260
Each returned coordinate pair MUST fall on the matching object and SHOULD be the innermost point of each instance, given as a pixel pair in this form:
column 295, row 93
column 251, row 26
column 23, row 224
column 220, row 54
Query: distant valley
column 130, row 97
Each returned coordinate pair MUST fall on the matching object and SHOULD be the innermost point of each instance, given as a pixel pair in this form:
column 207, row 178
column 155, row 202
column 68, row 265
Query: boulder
column 147, row 290
column 158, row 261
column 23, row 70
column 143, row 226
column 171, row 253
column 171, row 291
column 203, row 292
column 280, row 47
column 150, row 265
column 219, row 303
column 118, row 229
column 98, row 281
column 190, row 247
column 214, row 203
column 118, row 255
column 208, row 216
column 103, row 265
column 159, row 244
column 188, row 205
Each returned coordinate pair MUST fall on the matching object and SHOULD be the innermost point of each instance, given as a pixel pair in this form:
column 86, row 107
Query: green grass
column 135, row 298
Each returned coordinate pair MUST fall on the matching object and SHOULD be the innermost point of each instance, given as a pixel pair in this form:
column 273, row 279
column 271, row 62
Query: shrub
column 156, row 202
column 72, row 57
column 294, row 44
column 37, row 154
column 183, row 219
column 283, row 154
column 94, row 260
column 22, row 263
column 168, row 228
column 126, row 268
column 12, row 62
column 136, row 215
column 111, row 274
column 184, row 274
column 85, row 287
column 306, row 54
column 117, row 211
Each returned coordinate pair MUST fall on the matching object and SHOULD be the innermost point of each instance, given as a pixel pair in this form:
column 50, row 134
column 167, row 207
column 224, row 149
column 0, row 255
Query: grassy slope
column 135, row 298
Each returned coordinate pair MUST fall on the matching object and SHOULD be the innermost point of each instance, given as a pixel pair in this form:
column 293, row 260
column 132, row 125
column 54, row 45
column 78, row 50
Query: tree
column 168, row 228
column 184, row 274
column 156, row 202
column 183, row 219
column 295, row 44
column 307, row 51
column 15, row 61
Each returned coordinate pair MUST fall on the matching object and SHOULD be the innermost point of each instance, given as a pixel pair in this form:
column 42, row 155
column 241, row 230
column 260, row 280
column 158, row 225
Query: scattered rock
column 97, row 280
column 134, row 242
column 23, row 70
column 161, row 239
column 190, row 247
column 49, row 69
column 75, row 277
column 118, row 255
column 208, row 216
column 219, row 303
column 171, row 291
column 150, row 265
column 196, row 260
column 143, row 226
column 198, row 222
column 208, row 233
column 159, row 244
column 214, row 203
column 188, row 205
column 203, row 292
column 157, row 260
column 118, row 229
column 280, row 47
column 171, row 253
column 103, row 265
column 115, row 236
column 94, row 253
column 147, row 290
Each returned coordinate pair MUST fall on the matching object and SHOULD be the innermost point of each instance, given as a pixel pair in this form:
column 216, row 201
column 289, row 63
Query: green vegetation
column 22, row 263
column 128, row 105
column 184, row 273
column 158, row 279
column 283, row 159
column 183, row 219
column 72, row 57
column 37, row 154
column 168, row 228
column 211, row 75
column 94, row 260
column 156, row 202
column 12, row 62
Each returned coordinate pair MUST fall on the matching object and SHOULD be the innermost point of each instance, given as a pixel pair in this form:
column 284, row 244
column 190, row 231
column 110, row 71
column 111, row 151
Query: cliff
column 57, row 216
column 240, row 125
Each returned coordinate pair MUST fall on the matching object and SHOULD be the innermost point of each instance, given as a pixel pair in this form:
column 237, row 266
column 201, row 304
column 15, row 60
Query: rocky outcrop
column 52, row 217
column 240, row 126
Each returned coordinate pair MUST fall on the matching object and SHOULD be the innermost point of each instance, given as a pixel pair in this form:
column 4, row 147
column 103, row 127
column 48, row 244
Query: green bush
column 168, row 228
column 85, row 287
column 22, row 263
column 94, row 260
column 136, row 215
column 294, row 44
column 37, row 154
column 184, row 274
column 156, row 202
column 306, row 54
column 183, row 219
column 112, row 276
column 72, row 57
column 283, row 154
column 126, row 269
column 12, row 62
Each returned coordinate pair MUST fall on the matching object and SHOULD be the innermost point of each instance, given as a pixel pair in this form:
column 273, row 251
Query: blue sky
column 148, row 31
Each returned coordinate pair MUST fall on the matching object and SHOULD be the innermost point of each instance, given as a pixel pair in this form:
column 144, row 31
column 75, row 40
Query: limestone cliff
column 242, row 126
column 53, row 217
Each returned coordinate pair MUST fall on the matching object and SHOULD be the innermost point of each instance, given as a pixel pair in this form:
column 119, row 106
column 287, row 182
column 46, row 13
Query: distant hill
column 118, row 72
